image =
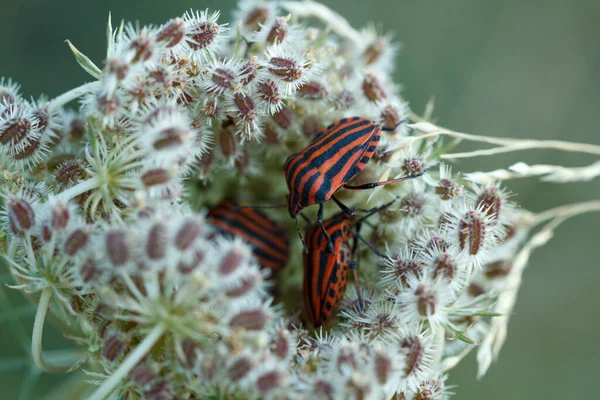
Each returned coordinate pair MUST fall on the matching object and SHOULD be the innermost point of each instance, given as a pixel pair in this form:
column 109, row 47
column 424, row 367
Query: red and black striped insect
column 335, row 156
column 326, row 272
column 269, row 241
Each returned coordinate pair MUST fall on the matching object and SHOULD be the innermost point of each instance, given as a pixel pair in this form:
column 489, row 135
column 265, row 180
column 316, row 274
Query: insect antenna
column 258, row 207
column 372, row 185
column 390, row 129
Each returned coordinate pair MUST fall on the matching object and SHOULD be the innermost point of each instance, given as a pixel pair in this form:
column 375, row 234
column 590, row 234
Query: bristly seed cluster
column 104, row 213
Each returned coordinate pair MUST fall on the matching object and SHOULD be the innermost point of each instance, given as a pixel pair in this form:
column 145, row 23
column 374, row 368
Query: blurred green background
column 501, row 68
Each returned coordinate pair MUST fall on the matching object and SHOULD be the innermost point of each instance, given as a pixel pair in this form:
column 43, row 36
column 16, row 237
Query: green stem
column 73, row 94
column 131, row 361
column 78, row 189
column 38, row 330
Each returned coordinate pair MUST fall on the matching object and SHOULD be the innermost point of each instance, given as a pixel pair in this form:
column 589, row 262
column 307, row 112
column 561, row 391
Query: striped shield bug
column 335, row 156
column 268, row 240
column 326, row 272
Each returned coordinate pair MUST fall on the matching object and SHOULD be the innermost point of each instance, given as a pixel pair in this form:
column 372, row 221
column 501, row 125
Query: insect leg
column 354, row 266
column 374, row 210
column 320, row 221
column 300, row 235
column 305, row 218
column 369, row 245
column 344, row 207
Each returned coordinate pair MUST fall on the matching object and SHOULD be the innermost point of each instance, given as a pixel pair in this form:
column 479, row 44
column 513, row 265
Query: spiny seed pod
column 60, row 216
column 187, row 234
column 203, row 35
column 107, row 105
column 347, row 358
column 490, row 199
column 206, row 161
column 256, row 17
column 156, row 245
column 285, row 69
column 270, row 381
column 171, row 137
column 116, row 248
column 444, row 265
column 448, row 189
column 42, row 115
column 77, row 304
column 76, row 128
column 142, row 47
column 403, row 268
column 76, row 241
column 246, row 285
column 117, row 67
column 412, row 205
column 30, row 153
column 68, row 171
column 171, row 34
column 46, row 233
column 426, row 300
column 9, row 91
column 221, row 80
column 413, row 166
column 280, row 344
column 436, row 243
column 269, row 93
column 113, row 347
column 142, row 374
column 374, row 51
column 16, row 128
column 476, row 290
column 311, row 126
column 159, row 390
column 89, row 271
column 248, row 71
column 156, row 177
column 186, row 267
column 313, row 90
column 242, row 162
column 278, row 31
column 21, row 216
column 372, row 89
column 323, row 388
column 231, row 261
column 54, row 162
column 284, row 118
column 253, row 320
column 240, row 368
column 390, row 118
column 344, row 100
column 472, row 232
column 212, row 109
column 227, row 143
column 414, row 353
column 498, row 269
column 383, row 367
column 271, row 136
column 246, row 109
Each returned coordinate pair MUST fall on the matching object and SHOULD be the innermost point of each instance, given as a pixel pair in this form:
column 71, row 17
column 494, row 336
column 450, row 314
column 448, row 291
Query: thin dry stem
column 505, row 144
column 549, row 173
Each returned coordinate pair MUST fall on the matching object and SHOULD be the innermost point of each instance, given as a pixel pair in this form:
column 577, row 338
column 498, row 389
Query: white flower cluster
column 104, row 213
